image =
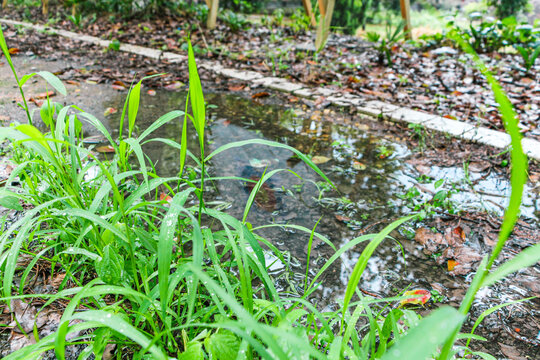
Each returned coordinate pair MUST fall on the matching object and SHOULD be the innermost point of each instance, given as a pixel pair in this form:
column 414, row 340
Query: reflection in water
column 369, row 173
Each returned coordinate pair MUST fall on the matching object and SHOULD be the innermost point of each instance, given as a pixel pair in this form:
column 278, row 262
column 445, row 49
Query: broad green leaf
column 423, row 340
column 165, row 245
column 194, row 351
column 110, row 267
column 133, row 106
column 196, row 96
column 54, row 81
column 222, row 346
column 10, row 202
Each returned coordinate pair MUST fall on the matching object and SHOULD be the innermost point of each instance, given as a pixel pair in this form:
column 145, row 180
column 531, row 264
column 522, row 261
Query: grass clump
column 158, row 278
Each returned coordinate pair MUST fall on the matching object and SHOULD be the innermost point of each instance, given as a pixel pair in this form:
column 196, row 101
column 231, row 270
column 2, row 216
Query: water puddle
column 370, row 173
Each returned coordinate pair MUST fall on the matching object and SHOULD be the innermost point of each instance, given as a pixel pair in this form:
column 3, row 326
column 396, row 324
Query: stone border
column 373, row 108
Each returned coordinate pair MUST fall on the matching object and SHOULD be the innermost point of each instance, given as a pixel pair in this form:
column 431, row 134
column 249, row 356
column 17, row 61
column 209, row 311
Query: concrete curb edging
column 372, row 108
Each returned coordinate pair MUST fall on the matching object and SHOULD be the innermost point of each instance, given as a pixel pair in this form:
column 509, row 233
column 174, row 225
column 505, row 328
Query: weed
column 114, row 45
column 384, row 45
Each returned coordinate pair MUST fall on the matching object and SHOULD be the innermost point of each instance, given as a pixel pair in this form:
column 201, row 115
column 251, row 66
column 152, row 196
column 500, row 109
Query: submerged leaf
column 317, row 160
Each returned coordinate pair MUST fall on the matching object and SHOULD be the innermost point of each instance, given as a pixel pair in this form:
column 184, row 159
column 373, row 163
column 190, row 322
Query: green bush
column 505, row 8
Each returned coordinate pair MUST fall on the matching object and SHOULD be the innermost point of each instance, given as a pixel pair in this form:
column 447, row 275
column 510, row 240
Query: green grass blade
column 133, row 106
column 136, row 147
column 159, row 123
column 257, row 187
column 166, row 242
column 54, row 81
column 365, row 256
column 197, row 97
column 120, row 325
column 303, row 157
column 527, row 257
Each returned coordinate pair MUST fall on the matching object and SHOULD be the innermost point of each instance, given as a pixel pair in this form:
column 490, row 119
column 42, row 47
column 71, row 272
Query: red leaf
column 105, row 149
column 260, row 95
column 423, row 297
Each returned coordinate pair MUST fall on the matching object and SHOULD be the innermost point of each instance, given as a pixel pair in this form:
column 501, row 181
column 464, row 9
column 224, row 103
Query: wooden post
column 4, row 4
column 45, row 10
column 406, row 15
column 309, row 12
column 323, row 30
column 322, row 7
column 212, row 14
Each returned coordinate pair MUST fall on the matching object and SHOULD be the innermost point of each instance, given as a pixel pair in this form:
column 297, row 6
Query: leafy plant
column 384, row 45
column 528, row 55
column 505, row 8
column 233, row 20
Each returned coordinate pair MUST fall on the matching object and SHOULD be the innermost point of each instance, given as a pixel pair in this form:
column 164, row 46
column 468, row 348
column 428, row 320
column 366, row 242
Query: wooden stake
column 212, row 14
column 322, row 7
column 406, row 15
column 45, row 10
column 323, row 30
column 309, row 12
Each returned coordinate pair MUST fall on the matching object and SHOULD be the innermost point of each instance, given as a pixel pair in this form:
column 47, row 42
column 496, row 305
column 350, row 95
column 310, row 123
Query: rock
column 445, row 50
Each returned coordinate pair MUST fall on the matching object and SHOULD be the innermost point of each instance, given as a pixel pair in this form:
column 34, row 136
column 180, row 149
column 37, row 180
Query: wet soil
column 439, row 79
column 373, row 164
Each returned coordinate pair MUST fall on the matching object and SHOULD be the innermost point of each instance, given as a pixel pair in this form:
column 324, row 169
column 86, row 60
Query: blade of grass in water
column 518, row 178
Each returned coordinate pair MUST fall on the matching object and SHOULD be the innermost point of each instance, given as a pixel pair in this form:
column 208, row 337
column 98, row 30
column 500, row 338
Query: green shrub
column 505, row 8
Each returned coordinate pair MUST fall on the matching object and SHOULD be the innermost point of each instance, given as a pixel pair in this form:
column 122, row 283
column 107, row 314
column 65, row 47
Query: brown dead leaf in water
column 175, row 85
column 57, row 280
column 259, row 95
column 452, row 264
column 479, row 166
column 43, row 95
column 430, row 240
column 511, row 352
column 25, row 315
column 236, row 88
column 318, row 159
column 109, row 111
column 342, row 218
column 454, row 237
column 105, row 149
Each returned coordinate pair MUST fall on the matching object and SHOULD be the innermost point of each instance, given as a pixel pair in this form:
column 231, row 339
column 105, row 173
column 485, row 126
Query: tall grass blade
column 120, row 325
column 527, row 257
column 302, row 157
column 197, row 98
column 165, row 247
column 365, row 256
